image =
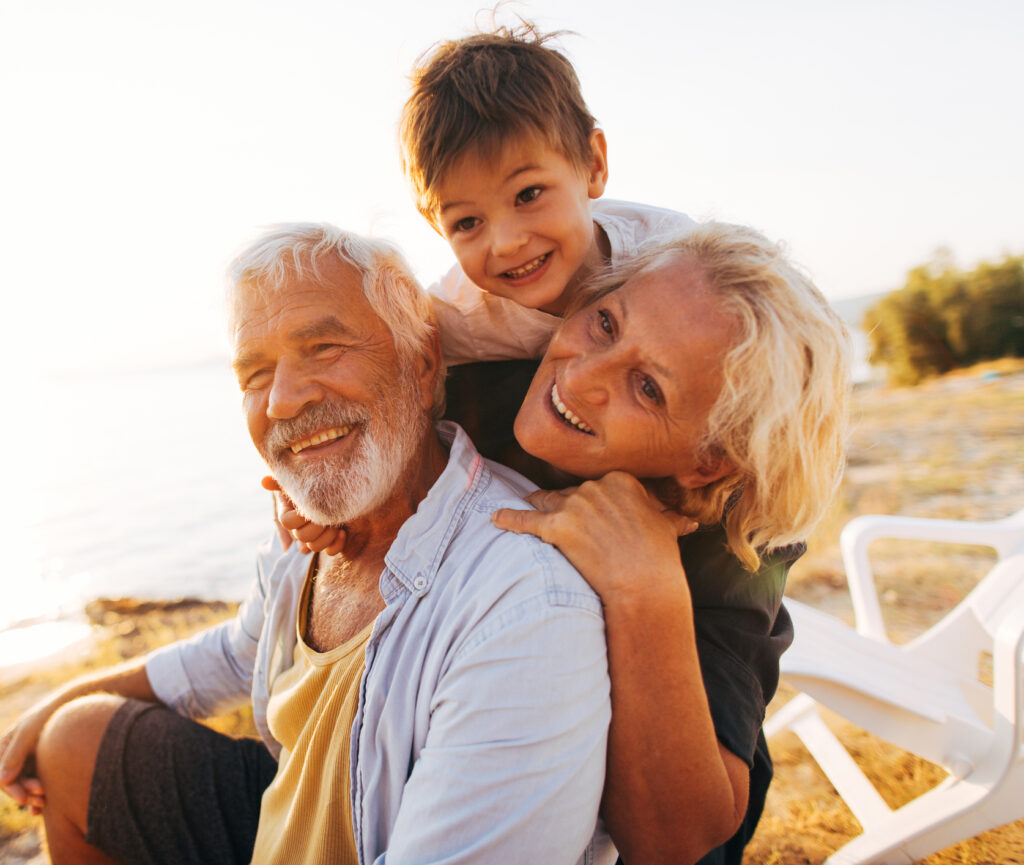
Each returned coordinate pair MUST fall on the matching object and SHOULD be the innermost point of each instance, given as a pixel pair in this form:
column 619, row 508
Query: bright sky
column 144, row 142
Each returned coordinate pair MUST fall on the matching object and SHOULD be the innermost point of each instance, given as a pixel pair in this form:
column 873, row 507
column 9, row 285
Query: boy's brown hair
column 479, row 92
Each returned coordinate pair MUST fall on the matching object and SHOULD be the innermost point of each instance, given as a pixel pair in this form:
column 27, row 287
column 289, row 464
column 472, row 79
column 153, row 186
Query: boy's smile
column 519, row 223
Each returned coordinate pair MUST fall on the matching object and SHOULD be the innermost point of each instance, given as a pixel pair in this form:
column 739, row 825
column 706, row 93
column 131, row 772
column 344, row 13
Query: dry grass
column 950, row 448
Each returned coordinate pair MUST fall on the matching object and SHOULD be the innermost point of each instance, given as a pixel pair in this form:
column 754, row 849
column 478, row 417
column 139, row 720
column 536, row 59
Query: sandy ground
column 950, row 448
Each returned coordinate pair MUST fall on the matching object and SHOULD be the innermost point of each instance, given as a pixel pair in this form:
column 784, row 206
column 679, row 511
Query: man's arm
column 18, row 744
column 513, row 763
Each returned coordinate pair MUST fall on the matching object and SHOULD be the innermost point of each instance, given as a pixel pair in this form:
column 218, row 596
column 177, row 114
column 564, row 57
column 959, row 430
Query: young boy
column 505, row 159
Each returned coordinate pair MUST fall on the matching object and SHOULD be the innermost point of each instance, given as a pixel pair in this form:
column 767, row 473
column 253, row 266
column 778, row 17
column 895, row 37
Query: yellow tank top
column 306, row 812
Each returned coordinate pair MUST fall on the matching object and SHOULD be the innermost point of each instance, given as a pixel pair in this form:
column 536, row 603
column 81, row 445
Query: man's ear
column 428, row 367
column 705, row 472
column 597, row 172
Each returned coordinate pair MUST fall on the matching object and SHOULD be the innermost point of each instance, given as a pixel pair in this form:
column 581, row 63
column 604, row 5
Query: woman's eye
column 604, row 321
column 531, row 193
column 649, row 389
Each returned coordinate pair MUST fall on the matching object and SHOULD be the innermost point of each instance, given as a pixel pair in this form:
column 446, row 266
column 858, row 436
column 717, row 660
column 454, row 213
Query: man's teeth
column 326, row 436
column 527, row 268
column 556, row 400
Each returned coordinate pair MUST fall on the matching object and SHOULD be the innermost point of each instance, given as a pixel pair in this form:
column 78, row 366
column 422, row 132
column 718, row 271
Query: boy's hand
column 292, row 525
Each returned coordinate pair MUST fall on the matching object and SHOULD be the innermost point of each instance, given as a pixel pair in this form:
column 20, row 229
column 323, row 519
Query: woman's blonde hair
column 781, row 417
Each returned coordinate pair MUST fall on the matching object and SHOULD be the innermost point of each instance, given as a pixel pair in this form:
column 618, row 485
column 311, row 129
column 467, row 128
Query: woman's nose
column 589, row 377
column 291, row 391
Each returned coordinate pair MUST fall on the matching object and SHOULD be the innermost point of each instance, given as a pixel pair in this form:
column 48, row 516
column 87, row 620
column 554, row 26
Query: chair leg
column 950, row 813
column 835, row 761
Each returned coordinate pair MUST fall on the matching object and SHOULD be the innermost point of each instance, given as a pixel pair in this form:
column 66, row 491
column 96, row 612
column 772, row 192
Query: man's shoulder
column 516, row 563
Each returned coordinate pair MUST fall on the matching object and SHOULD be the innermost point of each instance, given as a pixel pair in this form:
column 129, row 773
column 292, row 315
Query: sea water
column 130, row 483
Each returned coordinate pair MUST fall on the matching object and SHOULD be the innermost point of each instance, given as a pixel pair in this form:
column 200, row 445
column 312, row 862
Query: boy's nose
column 291, row 392
column 507, row 237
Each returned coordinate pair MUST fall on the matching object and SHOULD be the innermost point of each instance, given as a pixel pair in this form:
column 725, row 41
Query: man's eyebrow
column 246, row 360
column 328, row 326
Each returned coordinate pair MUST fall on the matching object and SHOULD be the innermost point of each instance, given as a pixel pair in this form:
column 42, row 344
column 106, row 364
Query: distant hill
column 852, row 309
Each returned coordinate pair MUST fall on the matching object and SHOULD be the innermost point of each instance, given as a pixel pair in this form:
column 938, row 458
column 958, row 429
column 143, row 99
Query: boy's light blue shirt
column 481, row 728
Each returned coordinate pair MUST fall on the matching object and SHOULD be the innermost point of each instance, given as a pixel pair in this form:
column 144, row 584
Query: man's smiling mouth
column 527, row 268
column 320, row 438
column 567, row 415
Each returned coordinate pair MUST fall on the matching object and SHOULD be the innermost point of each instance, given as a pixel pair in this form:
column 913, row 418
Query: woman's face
column 627, row 382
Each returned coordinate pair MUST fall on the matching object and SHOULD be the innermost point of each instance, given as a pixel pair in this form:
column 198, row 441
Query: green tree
column 944, row 318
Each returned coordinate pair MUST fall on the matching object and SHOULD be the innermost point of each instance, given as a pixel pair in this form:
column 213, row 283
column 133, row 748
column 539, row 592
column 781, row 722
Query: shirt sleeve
column 513, row 765
column 478, row 326
column 742, row 630
column 212, row 671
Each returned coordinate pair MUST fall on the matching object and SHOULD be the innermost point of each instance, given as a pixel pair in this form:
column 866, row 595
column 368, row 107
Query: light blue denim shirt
column 483, row 710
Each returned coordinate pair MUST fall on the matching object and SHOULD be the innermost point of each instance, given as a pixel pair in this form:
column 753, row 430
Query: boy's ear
column 597, row 173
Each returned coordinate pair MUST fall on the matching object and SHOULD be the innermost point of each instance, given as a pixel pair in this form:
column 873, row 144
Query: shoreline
column 119, row 629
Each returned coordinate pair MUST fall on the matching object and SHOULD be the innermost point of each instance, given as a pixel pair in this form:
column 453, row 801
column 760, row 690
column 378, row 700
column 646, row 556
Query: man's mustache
column 317, row 417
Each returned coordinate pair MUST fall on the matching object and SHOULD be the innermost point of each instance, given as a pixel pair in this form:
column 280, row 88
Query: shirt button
column 419, row 583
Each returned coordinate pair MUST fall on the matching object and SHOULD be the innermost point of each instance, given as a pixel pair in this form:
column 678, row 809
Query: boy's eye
column 468, row 223
column 531, row 193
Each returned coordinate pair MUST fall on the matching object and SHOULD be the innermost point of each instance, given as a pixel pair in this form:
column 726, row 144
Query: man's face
column 332, row 408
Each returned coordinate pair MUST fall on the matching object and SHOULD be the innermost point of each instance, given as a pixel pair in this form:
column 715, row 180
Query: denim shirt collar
column 415, row 556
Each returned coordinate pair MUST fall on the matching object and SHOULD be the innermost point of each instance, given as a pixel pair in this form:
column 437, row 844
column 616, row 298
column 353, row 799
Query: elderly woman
column 714, row 370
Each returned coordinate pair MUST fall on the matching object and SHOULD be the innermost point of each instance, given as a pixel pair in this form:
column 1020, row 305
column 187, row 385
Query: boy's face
column 520, row 224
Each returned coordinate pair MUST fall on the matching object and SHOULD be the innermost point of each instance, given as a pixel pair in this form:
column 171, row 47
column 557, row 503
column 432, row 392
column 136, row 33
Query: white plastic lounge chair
column 924, row 696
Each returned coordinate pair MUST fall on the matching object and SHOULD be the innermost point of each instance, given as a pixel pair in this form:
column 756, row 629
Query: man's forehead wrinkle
column 328, row 325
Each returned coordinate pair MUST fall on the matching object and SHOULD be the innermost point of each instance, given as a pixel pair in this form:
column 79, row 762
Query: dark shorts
column 169, row 791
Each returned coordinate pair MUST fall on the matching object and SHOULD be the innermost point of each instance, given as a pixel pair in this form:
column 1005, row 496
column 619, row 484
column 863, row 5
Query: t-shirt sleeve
column 742, row 630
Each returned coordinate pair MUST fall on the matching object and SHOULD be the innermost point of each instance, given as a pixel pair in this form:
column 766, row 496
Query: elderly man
column 437, row 691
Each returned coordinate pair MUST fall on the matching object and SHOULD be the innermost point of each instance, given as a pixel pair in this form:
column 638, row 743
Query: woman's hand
column 616, row 534
column 292, row 525
column 672, row 791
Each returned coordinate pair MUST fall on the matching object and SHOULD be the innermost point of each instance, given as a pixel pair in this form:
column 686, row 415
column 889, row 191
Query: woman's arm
column 672, row 791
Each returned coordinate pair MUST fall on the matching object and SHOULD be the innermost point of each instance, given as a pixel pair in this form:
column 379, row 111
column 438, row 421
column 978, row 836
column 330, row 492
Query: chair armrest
column 1002, row 535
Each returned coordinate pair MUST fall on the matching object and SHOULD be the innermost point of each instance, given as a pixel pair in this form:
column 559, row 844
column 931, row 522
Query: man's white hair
column 300, row 250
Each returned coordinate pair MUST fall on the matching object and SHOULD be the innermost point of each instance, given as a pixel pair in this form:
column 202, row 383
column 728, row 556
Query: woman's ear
column 707, row 471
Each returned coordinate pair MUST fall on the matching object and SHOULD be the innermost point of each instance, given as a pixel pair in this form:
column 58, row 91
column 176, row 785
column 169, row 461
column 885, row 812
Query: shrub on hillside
column 944, row 318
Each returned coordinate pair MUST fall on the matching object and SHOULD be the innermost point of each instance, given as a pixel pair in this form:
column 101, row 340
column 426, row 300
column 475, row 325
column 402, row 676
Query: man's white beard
column 334, row 491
